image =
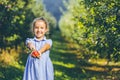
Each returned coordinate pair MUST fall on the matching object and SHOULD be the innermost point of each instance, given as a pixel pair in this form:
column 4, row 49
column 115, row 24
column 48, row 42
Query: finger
column 32, row 54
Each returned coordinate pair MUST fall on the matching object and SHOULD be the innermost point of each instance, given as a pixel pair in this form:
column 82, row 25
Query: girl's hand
column 31, row 46
column 35, row 54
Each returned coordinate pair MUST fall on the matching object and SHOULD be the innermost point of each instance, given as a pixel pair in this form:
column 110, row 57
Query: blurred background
column 85, row 34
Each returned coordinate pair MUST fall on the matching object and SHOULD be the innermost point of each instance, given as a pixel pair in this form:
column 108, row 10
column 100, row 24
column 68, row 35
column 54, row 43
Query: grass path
column 69, row 67
column 63, row 59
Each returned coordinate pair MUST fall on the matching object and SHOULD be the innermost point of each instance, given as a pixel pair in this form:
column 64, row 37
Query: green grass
column 68, row 65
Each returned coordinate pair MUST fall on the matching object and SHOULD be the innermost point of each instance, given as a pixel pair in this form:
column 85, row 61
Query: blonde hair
column 40, row 18
column 37, row 19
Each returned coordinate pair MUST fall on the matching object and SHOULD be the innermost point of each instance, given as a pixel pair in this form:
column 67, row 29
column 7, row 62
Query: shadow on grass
column 13, row 70
column 80, row 69
column 10, row 73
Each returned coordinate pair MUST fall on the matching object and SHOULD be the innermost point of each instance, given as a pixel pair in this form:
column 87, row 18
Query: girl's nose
column 39, row 29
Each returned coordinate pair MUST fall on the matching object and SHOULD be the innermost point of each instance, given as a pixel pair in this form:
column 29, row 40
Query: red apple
column 35, row 54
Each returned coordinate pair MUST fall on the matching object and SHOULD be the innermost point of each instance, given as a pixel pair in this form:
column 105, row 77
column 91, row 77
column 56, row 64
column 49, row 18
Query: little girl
column 39, row 65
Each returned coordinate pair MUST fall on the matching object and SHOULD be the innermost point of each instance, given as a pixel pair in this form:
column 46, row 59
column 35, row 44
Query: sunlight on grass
column 18, row 66
column 11, row 58
column 68, row 65
column 94, row 68
column 58, row 73
column 103, row 62
column 11, row 63
column 98, row 61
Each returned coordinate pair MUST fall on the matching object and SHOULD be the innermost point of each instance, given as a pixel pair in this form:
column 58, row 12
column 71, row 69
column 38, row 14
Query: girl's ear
column 47, row 30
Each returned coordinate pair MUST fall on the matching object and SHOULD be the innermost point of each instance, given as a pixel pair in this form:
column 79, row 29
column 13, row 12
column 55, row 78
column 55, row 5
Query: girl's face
column 40, row 29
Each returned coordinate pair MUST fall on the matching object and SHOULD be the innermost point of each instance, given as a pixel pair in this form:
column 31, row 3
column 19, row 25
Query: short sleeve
column 49, row 41
column 28, row 40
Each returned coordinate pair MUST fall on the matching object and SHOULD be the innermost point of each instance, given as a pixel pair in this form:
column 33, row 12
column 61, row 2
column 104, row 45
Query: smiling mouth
column 39, row 32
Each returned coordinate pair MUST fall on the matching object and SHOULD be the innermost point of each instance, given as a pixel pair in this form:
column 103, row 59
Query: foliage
column 11, row 18
column 106, row 19
column 15, row 19
column 94, row 25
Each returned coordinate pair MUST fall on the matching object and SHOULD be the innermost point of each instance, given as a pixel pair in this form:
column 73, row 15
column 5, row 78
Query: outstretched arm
column 38, row 53
column 31, row 46
column 44, row 48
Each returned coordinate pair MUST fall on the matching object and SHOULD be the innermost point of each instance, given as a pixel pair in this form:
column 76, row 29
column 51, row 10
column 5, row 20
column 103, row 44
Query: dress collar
column 44, row 38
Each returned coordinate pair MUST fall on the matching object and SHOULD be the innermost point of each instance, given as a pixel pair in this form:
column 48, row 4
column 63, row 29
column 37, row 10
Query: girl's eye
column 36, row 27
column 39, row 27
column 42, row 27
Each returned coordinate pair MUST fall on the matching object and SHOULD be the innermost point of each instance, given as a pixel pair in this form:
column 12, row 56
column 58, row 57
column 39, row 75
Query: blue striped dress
column 42, row 68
